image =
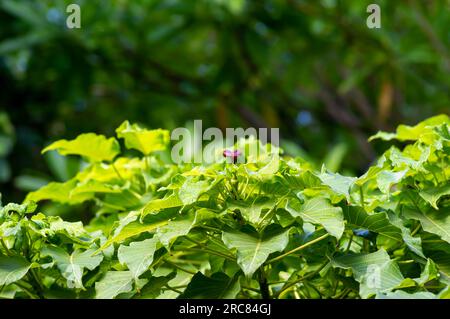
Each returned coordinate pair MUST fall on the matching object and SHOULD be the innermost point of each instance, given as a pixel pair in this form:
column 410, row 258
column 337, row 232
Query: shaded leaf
column 218, row 286
column 253, row 248
column 12, row 269
column 72, row 266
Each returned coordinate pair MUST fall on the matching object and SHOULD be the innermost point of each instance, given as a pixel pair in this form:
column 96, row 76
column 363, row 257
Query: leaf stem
column 26, row 290
column 416, row 229
column 8, row 252
column 206, row 249
column 291, row 284
column 298, row 248
column 263, row 286
column 117, row 172
column 179, row 267
column 349, row 243
column 361, row 193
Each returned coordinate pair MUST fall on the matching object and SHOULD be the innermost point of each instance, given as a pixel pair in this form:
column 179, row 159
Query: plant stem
column 416, row 229
column 173, row 289
column 263, row 286
column 298, row 248
column 206, row 249
column 291, row 284
column 35, row 282
column 117, row 172
column 361, row 193
column 25, row 289
column 349, row 244
column 250, row 288
column 8, row 252
column 180, row 268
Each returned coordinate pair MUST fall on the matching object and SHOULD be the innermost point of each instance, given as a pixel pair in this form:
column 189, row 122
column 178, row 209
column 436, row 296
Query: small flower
column 232, row 155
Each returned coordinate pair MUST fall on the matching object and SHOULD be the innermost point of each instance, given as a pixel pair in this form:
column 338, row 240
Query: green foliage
column 274, row 228
column 95, row 148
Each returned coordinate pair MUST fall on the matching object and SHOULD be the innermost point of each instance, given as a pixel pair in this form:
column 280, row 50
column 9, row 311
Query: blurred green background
column 311, row 68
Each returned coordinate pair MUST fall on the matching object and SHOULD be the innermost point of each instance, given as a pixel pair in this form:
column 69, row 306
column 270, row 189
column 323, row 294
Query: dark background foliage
column 311, row 68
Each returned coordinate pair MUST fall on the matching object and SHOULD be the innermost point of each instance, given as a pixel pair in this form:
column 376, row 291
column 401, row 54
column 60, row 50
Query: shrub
column 271, row 228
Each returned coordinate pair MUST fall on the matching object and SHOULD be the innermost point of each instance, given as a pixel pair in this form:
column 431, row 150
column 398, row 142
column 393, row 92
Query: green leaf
column 12, row 269
column 319, row 211
column 23, row 209
column 138, row 256
column 403, row 160
column 181, row 226
column 157, row 205
column 92, row 187
column 432, row 195
column 153, row 287
column 357, row 217
column 385, row 179
column 422, row 131
column 338, row 183
column 385, row 136
column 429, row 273
column 254, row 248
column 72, row 266
column 143, row 140
column 59, row 192
column 432, row 221
column 218, row 286
column 251, row 211
column 191, row 190
column 132, row 229
column 113, row 284
column 375, row 271
column 399, row 294
column 95, row 148
column 413, row 243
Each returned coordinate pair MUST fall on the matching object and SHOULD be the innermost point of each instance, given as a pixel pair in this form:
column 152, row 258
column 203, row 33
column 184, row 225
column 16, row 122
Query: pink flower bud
column 232, row 154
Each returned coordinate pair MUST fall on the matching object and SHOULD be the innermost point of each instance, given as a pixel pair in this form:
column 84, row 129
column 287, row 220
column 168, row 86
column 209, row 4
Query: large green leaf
column 133, row 228
column 72, row 266
column 218, row 286
column 385, row 179
column 357, row 217
column 156, row 205
column 143, row 140
column 251, row 211
column 95, row 148
column 319, row 211
column 12, row 269
column 413, row 243
column 181, row 225
column 423, row 130
column 113, row 284
column 59, row 192
column 153, row 287
column 432, row 195
column 429, row 273
column 254, row 248
column 338, row 183
column 432, row 221
column 375, row 272
column 138, row 256
column 399, row 294
column 191, row 190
